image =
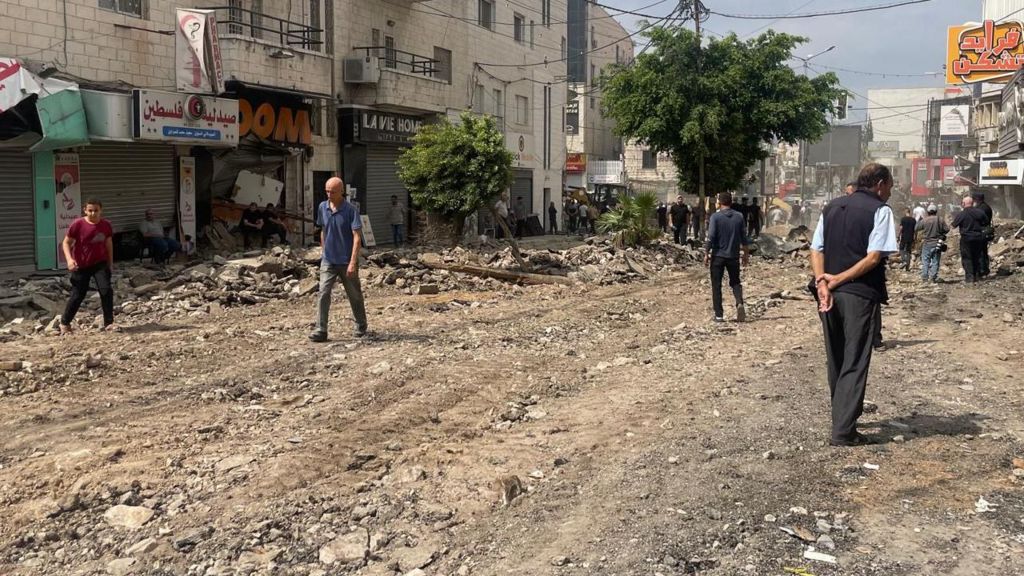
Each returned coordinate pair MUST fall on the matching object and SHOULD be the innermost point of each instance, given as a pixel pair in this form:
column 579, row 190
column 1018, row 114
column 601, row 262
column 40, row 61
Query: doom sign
column 272, row 116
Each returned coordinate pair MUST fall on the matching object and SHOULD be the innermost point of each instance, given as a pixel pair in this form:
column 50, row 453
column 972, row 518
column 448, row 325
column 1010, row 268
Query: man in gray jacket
column 727, row 237
column 934, row 231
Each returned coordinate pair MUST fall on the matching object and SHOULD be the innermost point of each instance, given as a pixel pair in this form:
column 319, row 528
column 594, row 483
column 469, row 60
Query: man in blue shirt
column 727, row 235
column 854, row 235
column 341, row 237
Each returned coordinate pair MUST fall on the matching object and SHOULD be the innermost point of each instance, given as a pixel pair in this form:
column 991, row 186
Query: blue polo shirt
column 338, row 227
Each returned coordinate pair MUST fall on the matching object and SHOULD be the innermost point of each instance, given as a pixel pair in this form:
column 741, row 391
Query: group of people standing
column 685, row 219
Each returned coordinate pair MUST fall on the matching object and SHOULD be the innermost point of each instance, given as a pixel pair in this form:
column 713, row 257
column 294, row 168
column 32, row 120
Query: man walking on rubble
column 679, row 213
column 934, row 231
column 971, row 221
column 988, row 232
column 727, row 237
column 853, row 235
column 341, row 238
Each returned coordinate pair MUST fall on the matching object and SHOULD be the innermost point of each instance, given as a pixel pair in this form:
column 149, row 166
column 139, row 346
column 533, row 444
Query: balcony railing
column 243, row 22
column 392, row 58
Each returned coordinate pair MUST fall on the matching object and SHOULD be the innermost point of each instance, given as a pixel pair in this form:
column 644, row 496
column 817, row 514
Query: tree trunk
column 511, row 240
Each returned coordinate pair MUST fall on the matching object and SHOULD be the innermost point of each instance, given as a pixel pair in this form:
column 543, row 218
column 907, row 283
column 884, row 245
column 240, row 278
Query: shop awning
column 62, row 118
column 58, row 107
column 235, row 85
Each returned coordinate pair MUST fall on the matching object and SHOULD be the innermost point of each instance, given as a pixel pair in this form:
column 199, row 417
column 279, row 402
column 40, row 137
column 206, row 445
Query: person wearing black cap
column 853, row 235
column 987, row 230
column 727, row 236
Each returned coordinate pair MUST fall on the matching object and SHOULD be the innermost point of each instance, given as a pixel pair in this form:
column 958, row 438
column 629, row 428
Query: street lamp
column 803, row 143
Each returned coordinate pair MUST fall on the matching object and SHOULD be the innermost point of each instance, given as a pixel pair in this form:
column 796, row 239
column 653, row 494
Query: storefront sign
column 198, row 67
column 187, row 196
column 575, row 162
column 16, row 83
column 996, row 171
column 988, row 52
column 375, row 126
column 606, row 172
column 953, row 120
column 884, row 147
column 173, row 117
column 69, row 197
column 275, row 117
column 369, row 240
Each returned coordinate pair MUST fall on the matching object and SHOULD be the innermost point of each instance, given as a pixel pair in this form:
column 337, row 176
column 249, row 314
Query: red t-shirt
column 90, row 241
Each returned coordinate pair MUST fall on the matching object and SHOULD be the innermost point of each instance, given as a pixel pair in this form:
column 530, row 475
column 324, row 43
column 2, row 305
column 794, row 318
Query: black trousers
column 80, row 287
column 971, row 252
column 876, row 334
column 248, row 233
column 719, row 266
column 848, row 328
column 985, row 271
column 679, row 233
column 271, row 229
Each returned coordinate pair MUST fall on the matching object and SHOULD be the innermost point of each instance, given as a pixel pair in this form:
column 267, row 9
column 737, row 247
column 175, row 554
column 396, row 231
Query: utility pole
column 701, row 193
column 803, row 142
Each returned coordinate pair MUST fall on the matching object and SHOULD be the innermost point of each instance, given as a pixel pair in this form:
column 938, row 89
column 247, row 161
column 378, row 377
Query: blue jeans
column 163, row 248
column 329, row 276
column 930, row 255
column 396, row 233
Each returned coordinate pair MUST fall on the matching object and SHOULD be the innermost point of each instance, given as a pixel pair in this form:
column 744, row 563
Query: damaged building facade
column 297, row 91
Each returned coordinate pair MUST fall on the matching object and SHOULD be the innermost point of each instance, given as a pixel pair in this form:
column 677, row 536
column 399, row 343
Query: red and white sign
column 16, row 84
column 187, row 197
column 69, row 197
column 197, row 53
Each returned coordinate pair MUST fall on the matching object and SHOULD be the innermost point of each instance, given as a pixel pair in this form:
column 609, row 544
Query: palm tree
column 630, row 221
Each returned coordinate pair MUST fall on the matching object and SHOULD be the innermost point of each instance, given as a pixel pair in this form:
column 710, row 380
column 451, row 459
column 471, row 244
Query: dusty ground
column 649, row 440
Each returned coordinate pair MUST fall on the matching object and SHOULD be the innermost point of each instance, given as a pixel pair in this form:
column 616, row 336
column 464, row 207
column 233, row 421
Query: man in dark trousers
column 971, row 221
column 679, row 213
column 663, row 217
column 697, row 219
column 908, row 229
column 754, row 219
column 987, row 232
column 727, row 236
column 854, row 233
column 553, row 218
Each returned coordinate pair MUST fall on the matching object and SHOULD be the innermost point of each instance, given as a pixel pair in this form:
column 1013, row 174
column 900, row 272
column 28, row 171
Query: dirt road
column 648, row 440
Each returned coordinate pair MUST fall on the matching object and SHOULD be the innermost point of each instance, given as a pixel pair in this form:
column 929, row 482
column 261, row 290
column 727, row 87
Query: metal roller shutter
column 128, row 179
column 381, row 184
column 522, row 185
column 18, row 233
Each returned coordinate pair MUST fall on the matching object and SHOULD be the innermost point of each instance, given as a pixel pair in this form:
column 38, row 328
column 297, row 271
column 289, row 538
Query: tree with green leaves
column 455, row 168
column 630, row 221
column 712, row 106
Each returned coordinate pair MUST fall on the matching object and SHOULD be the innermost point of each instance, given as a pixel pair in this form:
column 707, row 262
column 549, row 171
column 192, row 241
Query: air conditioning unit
column 361, row 69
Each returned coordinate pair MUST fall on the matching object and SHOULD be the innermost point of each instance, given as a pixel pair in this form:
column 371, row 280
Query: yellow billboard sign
column 987, row 52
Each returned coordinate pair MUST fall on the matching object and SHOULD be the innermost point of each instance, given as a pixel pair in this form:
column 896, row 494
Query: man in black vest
column 987, row 231
column 854, row 234
column 680, row 214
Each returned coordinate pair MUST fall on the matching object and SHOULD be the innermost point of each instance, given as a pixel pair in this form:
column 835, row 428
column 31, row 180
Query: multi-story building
column 308, row 88
column 651, row 171
column 403, row 63
column 595, row 43
column 268, row 119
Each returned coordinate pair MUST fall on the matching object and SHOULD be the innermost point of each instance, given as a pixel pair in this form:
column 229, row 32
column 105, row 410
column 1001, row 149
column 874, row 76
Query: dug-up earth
column 582, row 429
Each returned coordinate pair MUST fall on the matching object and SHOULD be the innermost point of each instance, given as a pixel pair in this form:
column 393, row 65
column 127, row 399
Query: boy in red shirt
column 89, row 251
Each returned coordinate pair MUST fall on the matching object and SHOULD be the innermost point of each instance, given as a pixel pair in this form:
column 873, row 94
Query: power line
column 883, row 74
column 817, row 14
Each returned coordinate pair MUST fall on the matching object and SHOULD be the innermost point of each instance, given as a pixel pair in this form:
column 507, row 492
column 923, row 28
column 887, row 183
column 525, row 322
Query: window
column 129, row 7
column 444, row 64
column 315, row 38
column 485, row 13
column 375, row 40
column 235, row 16
column 478, row 99
column 650, row 160
column 618, row 55
column 522, row 110
column 498, row 103
column 593, row 75
column 545, row 12
column 531, row 33
column 316, row 118
column 256, row 19
column 564, row 54
column 519, row 28
column 390, row 56
column 592, row 101
column 593, row 38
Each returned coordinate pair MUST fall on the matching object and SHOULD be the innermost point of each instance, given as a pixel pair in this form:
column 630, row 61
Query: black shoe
column 719, row 319
column 880, row 346
column 857, row 439
column 318, row 337
column 741, row 313
column 359, row 332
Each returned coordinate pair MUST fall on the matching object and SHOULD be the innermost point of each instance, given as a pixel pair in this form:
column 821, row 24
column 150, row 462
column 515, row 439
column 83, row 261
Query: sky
column 904, row 40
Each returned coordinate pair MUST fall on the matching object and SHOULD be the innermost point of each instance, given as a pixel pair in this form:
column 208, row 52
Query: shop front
column 269, row 165
column 372, row 140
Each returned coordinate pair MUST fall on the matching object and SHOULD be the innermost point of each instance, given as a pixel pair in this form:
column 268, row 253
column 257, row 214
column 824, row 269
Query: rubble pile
column 1007, row 250
column 146, row 293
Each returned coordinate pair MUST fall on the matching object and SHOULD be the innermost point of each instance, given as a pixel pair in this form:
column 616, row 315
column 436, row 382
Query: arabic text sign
column 988, row 52
column 187, row 196
column 173, row 117
column 16, row 83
